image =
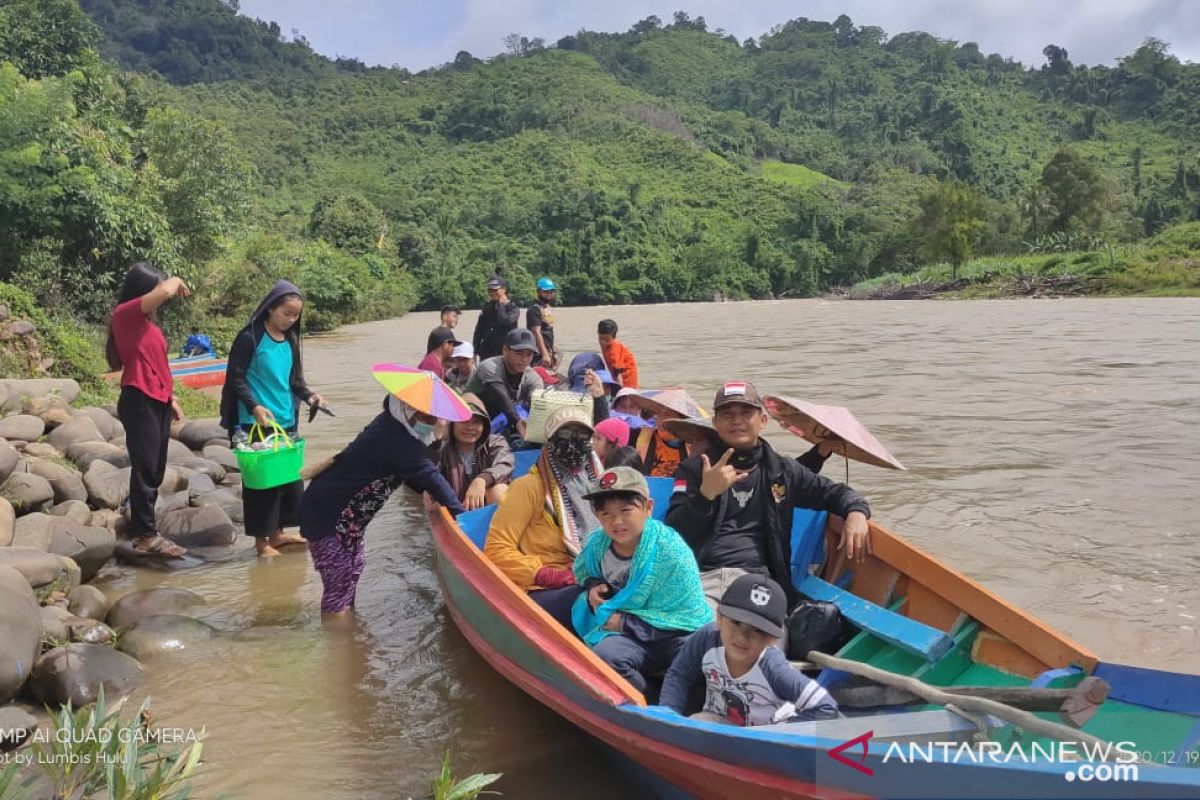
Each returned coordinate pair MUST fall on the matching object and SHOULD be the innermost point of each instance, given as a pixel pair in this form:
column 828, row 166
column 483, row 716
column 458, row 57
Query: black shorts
column 268, row 510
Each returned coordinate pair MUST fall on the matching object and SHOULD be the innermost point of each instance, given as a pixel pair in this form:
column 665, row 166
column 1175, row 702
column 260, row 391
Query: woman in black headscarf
column 264, row 384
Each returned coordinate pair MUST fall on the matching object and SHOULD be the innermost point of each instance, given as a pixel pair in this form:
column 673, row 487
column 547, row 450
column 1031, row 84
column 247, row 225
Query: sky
column 417, row 33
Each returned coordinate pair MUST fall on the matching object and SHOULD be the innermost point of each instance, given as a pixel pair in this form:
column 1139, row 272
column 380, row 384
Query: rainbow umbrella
column 422, row 390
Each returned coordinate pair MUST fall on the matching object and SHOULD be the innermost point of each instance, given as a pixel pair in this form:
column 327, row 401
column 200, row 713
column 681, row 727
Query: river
column 1050, row 448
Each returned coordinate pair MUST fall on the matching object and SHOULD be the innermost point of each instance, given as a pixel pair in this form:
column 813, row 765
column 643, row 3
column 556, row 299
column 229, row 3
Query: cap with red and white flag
column 737, row 392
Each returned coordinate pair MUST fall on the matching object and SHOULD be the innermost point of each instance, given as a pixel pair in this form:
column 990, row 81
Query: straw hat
column 674, row 400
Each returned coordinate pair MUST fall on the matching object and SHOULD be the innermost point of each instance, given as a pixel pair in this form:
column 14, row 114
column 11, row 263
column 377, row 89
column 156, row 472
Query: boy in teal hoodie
column 642, row 594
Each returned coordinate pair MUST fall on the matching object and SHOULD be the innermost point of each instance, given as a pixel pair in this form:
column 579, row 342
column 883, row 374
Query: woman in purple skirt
column 339, row 503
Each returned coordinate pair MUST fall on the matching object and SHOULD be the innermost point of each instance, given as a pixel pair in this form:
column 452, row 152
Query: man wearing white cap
column 462, row 361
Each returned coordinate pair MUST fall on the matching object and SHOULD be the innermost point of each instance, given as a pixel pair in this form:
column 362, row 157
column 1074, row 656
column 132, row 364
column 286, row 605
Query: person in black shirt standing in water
column 539, row 319
column 499, row 316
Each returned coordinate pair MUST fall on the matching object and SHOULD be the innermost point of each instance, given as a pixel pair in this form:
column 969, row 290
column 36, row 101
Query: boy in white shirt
column 747, row 678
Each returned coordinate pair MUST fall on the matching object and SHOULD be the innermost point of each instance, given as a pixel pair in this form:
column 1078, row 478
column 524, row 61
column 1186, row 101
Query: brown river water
column 1050, row 448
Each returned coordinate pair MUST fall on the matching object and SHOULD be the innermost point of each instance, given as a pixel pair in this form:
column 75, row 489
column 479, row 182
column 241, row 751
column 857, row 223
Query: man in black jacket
column 499, row 316
column 733, row 505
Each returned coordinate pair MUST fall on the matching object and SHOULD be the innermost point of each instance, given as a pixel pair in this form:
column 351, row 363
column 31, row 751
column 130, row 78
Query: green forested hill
column 668, row 162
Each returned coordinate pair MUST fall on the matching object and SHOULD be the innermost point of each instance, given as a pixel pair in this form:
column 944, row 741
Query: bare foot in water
column 281, row 539
column 263, row 545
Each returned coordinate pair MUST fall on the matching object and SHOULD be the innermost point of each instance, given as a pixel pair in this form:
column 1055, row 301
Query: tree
column 1076, row 190
column 44, row 38
column 951, row 219
column 1036, row 209
column 1056, row 59
column 349, row 222
column 650, row 23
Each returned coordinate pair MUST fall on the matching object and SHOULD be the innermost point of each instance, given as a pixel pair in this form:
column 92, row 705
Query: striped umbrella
column 422, row 390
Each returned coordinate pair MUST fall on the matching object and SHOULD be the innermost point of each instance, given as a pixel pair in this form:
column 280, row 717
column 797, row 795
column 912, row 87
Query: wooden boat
column 195, row 372
column 915, row 616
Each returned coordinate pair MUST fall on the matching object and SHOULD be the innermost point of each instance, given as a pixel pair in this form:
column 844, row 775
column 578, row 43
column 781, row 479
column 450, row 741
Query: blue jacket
column 384, row 450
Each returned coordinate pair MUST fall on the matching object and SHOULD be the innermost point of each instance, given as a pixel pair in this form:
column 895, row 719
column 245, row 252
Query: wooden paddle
column 1074, row 706
column 974, row 706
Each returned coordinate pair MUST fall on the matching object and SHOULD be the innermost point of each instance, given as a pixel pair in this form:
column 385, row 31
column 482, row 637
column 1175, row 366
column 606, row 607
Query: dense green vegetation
column 668, row 162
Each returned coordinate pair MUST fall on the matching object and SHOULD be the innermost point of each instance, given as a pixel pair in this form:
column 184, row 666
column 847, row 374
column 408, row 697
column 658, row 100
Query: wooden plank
column 931, row 608
column 946, row 670
column 994, row 650
column 1038, row 639
column 916, row 637
column 875, row 581
column 1152, row 688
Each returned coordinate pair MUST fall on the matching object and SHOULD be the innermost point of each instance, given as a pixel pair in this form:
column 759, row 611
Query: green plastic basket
column 276, row 466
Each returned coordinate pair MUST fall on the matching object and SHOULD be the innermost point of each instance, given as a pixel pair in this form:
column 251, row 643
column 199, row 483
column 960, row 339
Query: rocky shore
column 64, row 477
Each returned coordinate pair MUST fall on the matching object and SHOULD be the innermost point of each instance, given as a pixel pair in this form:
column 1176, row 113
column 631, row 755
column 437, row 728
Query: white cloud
column 419, row 35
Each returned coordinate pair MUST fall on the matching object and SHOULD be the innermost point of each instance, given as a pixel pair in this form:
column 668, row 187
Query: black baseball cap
column 439, row 336
column 520, row 339
column 757, row 601
column 496, row 282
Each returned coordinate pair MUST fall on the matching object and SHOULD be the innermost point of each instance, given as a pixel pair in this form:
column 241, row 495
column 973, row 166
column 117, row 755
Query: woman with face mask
column 544, row 519
column 264, row 383
column 340, row 502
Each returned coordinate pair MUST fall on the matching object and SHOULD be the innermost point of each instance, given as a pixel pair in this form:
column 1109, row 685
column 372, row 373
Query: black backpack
column 814, row 625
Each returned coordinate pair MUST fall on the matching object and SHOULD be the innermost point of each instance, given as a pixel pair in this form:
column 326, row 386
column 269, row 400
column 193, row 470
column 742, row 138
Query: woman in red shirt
column 147, row 404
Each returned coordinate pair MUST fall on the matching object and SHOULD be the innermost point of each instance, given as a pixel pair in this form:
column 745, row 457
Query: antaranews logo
column 836, row 753
column 1092, row 761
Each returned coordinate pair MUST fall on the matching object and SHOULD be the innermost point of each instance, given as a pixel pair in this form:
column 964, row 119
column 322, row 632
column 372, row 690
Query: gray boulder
column 54, row 623
column 226, row 500
column 77, row 429
column 88, row 602
column 8, row 522
column 66, row 482
column 84, row 453
column 25, row 427
column 39, row 567
column 90, row 631
column 26, row 492
column 16, row 725
column 205, row 526
column 75, row 510
column 197, row 482
column 149, row 602
column 128, row 554
column 214, row 471
column 170, row 501
column 35, row 531
column 221, row 454
column 174, row 480
column 21, row 390
column 109, row 426
column 107, row 486
column 162, row 634
column 74, row 674
column 87, row 546
column 43, row 450
column 177, row 451
column 197, row 433
column 105, row 518
column 20, row 631
column 8, row 459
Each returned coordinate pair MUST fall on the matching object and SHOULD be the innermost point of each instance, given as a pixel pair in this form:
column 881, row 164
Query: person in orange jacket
column 620, row 361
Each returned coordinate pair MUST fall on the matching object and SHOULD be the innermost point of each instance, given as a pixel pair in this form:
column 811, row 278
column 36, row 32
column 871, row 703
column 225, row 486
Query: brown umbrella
column 675, row 399
column 832, row 424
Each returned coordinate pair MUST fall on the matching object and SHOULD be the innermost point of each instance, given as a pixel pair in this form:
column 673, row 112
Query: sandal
column 158, row 546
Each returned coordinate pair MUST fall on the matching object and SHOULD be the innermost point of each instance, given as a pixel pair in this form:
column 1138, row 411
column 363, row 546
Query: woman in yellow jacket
column 543, row 519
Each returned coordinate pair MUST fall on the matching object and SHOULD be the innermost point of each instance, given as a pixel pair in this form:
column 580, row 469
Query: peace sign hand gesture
column 715, row 479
